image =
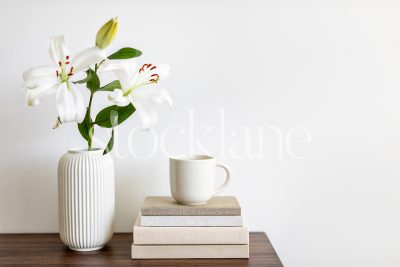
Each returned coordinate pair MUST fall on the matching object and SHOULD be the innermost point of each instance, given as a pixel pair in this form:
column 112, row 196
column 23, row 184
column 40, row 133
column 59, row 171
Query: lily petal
column 39, row 72
column 157, row 95
column 70, row 103
column 125, row 70
column 33, row 95
column 35, row 77
column 146, row 110
column 162, row 70
column 118, row 98
column 87, row 58
column 58, row 49
column 33, row 83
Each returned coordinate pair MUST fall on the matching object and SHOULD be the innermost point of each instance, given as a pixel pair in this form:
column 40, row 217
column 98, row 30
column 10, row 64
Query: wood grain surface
column 48, row 250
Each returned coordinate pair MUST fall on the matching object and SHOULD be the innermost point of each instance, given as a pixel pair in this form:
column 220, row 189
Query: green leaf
column 110, row 143
column 104, row 117
column 111, row 86
column 114, row 123
column 94, row 82
column 84, row 80
column 84, row 127
column 124, row 53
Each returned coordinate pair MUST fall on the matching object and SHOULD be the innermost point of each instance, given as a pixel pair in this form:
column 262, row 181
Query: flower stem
column 91, row 123
column 91, row 127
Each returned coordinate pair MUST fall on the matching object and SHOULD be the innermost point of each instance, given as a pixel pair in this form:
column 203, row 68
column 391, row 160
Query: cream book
column 170, row 221
column 167, row 206
column 189, row 251
column 188, row 235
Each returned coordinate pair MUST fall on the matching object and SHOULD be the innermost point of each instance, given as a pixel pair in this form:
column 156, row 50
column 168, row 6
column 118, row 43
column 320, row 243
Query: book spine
column 190, row 221
column 191, row 212
column 190, row 251
column 190, row 235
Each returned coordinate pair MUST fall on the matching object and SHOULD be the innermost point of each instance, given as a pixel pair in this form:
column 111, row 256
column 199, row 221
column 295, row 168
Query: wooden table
column 48, row 250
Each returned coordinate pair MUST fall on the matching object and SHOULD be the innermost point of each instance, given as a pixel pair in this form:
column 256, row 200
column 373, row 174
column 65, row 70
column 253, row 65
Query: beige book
column 189, row 235
column 217, row 206
column 187, row 221
column 189, row 251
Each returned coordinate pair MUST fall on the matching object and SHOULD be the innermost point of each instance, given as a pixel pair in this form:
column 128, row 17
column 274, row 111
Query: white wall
column 330, row 67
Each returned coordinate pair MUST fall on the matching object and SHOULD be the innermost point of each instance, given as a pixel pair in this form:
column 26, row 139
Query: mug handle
column 227, row 177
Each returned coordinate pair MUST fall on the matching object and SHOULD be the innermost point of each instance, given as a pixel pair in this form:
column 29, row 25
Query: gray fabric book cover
column 167, row 206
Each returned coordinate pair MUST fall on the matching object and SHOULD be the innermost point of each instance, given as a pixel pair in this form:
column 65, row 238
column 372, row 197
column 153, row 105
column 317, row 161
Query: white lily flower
column 48, row 80
column 143, row 99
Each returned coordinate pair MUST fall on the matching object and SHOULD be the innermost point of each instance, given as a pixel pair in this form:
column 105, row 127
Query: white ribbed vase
column 86, row 199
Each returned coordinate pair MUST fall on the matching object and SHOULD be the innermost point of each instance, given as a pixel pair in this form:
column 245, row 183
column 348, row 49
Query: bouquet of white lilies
column 124, row 92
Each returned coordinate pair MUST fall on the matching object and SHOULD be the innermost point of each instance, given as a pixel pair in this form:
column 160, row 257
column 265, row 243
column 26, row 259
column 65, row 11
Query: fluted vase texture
column 86, row 199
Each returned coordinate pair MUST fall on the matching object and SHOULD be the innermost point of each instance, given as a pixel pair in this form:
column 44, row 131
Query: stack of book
column 164, row 229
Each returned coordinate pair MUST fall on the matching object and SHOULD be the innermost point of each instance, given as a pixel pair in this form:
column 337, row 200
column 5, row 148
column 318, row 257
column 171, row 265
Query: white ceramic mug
column 192, row 179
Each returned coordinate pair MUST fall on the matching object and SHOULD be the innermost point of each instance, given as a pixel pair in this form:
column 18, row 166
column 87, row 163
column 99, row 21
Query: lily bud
column 57, row 124
column 107, row 33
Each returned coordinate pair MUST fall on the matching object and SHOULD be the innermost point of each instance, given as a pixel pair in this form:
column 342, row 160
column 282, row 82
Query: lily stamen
column 154, row 80
column 145, row 66
column 71, row 72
